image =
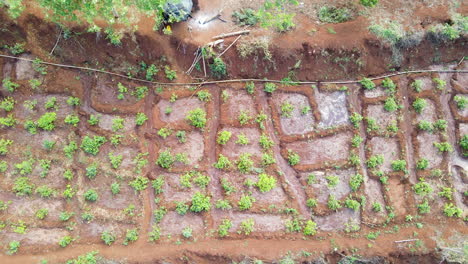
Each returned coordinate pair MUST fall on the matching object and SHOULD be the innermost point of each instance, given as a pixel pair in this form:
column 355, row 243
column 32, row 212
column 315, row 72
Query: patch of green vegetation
column 13, row 247
column 117, row 124
column 164, row 132
column 65, row 241
column 369, row 3
column 422, row 188
column 92, row 145
column 204, row 96
column 451, row 210
column 7, row 104
column 461, row 101
column 9, row 85
column 23, row 186
column 91, row 195
column 72, row 120
column 352, row 204
column 93, row 120
column 4, row 144
column 250, row 87
column 46, row 121
column 131, row 236
column 417, row 85
column 222, row 163
column 286, row 109
column 170, row 74
column 223, row 228
column 270, row 88
column 245, row 17
column 332, row 14
column 355, row 182
column 139, row 184
column 245, row 202
column 197, row 118
column 73, row 101
column 200, row 203
column 223, row 205
column 443, row 146
column 245, row 163
column 293, row 158
column 70, row 149
column 333, row 203
column 247, row 226
column 8, row 121
column 108, row 237
column 355, row 119
column 165, row 159
column 399, row 165
column 375, row 161
column 265, row 182
column 140, row 119
column 218, row 68
column 332, row 181
column 244, row 117
column 422, row 164
column 391, row 105
column 439, row 83
column 419, row 104
column 223, row 137
column 42, row 213
column 367, row 84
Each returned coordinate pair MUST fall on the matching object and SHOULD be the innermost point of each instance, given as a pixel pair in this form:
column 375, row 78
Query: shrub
column 23, row 186
column 375, row 161
column 286, row 109
column 42, row 213
column 422, row 188
column 140, row 183
column 154, row 234
column 165, row 159
column 268, row 159
column 422, row 164
column 92, row 145
column 352, row 204
column 367, row 84
column 419, row 104
column 197, row 118
column 181, row 208
column 69, row 192
column 424, row 207
column 242, row 139
column 201, row 180
column 218, row 68
column 30, row 126
column 388, row 84
column 250, row 87
column 72, row 120
column 227, row 186
column 369, row 3
column 293, row 158
column 265, row 182
column 355, row 119
column 245, row 202
column 223, row 137
column 46, row 121
column 4, row 144
column 355, row 181
column 170, row 74
column 65, row 216
column 222, row 163
column 247, row 226
column 265, row 142
column 392, row 127
column 464, row 144
column 9, row 85
column 399, row 165
column 376, row 207
column 140, row 92
column 45, row 191
column 443, row 146
column 140, row 119
column 417, row 85
column 131, row 236
column 93, row 120
column 310, row 228
column 245, row 17
column 68, row 175
column 390, row 105
column 424, row 125
column 244, row 117
column 91, row 171
column 331, row 14
column 451, row 210
column 70, row 149
column 7, row 104
column 332, row 181
column 223, row 228
column 333, row 203
column 356, row 141
column 200, row 203
column 223, row 205
column 30, row 105
column 270, row 88
column 13, row 247
column 441, row 125
column 461, row 101
column 440, row 84
column 3, row 166
column 51, row 103
column 117, row 124
column 311, row 203
column 159, row 214
column 107, row 237
column 115, row 160
column 115, row 188
column 204, row 96
column 65, row 241
column 8, row 121
column 73, row 101
column 91, row 195
column 245, row 163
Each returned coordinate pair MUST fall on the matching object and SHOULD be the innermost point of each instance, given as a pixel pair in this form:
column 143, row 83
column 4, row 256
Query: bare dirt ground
column 322, row 137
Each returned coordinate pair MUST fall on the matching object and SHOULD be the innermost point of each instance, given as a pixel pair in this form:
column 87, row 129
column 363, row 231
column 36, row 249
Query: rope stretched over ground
column 228, row 81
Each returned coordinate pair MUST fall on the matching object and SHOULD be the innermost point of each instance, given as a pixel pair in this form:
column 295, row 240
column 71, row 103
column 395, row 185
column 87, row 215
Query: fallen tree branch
column 406, row 240
column 56, row 43
column 226, row 35
column 224, row 51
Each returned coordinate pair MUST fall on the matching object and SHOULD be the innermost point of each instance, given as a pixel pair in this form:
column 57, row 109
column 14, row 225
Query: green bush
column 270, row 88
column 245, row 17
column 72, row 120
column 140, row 92
column 286, row 109
column 30, row 126
column 464, row 145
column 461, row 101
column 333, row 203
column 242, row 139
column 355, row 119
column 154, row 234
column 8, row 121
column 356, row 141
column 65, row 241
column 451, row 210
column 42, row 213
column 115, row 160
column 92, row 145
column 87, row 217
column 293, row 158
column 424, row 207
column 197, row 118
column 391, row 105
column 417, row 85
column 245, row 163
column 107, row 237
column 227, row 186
column 46, row 121
column 204, row 96
column 218, row 68
column 70, row 149
column 68, row 175
column 91, row 195
column 65, row 216
column 392, row 32
column 419, row 104
column 245, row 202
column 250, row 87
column 388, row 84
column 140, row 183
column 441, row 125
column 446, row 192
column 93, row 120
column 392, row 127
column 91, row 171
column 369, row 3
column 223, row 205
column 73, row 101
column 223, row 137
column 376, row 207
column 311, row 203
column 51, row 103
column 131, row 236
column 9, row 85
column 115, row 188
column 140, row 119
column 265, row 182
column 23, row 186
column 355, row 182
column 117, row 124
column 422, row 164
column 223, row 228
column 200, row 203
column 268, row 159
column 13, row 247
column 165, row 159
column 159, row 214
column 69, row 192
column 265, row 142
column 422, row 188
column 222, row 163
column 352, row 204
column 367, row 84
column 332, row 14
column 443, row 146
column 375, row 161
column 4, row 144
column 399, row 165
column 310, row 228
column 7, row 104
column 45, row 191
column 181, row 208
column 424, row 125
column 332, row 181
column 440, row 84
column 170, row 74
column 244, row 117
column 247, row 226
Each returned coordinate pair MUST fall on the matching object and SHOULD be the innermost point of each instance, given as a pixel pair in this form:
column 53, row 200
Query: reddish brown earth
column 322, row 138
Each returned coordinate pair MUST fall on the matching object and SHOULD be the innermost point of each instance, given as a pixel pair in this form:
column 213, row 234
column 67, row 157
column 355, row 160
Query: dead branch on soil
column 56, row 43
column 406, row 240
column 232, row 34
column 222, row 53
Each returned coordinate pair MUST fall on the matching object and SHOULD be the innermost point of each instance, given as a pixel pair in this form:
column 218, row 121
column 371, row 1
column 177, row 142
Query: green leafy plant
column 247, row 226
column 140, row 119
column 117, row 124
column 244, row 117
column 223, row 137
column 311, row 203
column 70, row 149
column 245, row 202
column 65, row 241
column 242, row 139
column 4, row 144
column 30, row 126
column 399, row 165
column 159, row 214
column 42, row 213
column 72, row 120
column 65, row 216
column 265, row 182
column 140, row 183
column 200, row 203
column 204, row 96
column 461, row 101
column 223, row 228
column 223, row 205
column 107, row 237
column 131, row 236
column 422, row 164
column 154, row 234
column 250, row 87
column 268, row 159
column 197, row 118
column 422, row 188
column 140, row 92
column 375, row 161
column 93, row 120
column 286, row 109
column 51, row 103
column 13, row 247
column 355, row 181
column 46, row 121
column 245, row 17
column 115, row 188
column 265, row 142
column 45, row 191
column 170, row 74
column 245, row 163
column 417, row 85
column 424, row 207
column 218, row 68
column 165, row 159
column 222, row 163
column 332, row 14
column 92, row 145
column 391, row 105
column 23, row 186
column 7, row 104
column 293, row 158
column 367, row 84
column 352, row 204
column 310, row 228
column 91, row 195
column 73, row 101
column 369, row 3
column 9, row 85
column 356, row 141
column 440, row 84
column 377, row 207
column 333, row 203
column 270, row 88
column 355, row 119
column 451, row 210
column 424, row 125
column 419, row 104
column 443, row 146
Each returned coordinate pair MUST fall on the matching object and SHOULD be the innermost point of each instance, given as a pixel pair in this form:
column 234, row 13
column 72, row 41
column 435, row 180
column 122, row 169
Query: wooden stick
column 407, row 240
column 230, row 46
column 226, row 35
column 211, row 18
column 204, row 66
column 56, row 43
